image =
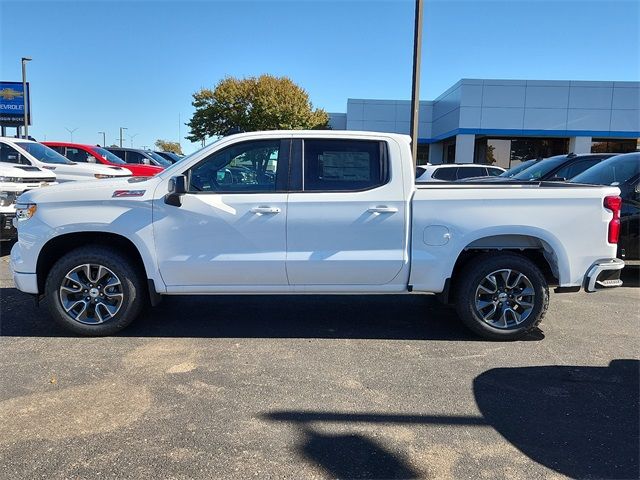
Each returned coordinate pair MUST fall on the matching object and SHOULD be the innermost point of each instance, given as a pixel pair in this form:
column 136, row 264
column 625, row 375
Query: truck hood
column 93, row 190
column 102, row 169
column 25, row 172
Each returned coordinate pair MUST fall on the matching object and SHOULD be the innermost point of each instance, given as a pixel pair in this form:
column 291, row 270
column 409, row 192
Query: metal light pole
column 131, row 137
column 121, row 129
column 25, row 101
column 104, row 138
column 71, row 130
column 415, row 94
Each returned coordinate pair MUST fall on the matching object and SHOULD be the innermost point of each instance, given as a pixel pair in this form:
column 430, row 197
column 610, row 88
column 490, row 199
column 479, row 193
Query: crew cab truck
column 15, row 180
column 323, row 212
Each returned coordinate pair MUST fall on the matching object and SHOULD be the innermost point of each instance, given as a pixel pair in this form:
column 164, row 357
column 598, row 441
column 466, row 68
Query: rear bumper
column 604, row 274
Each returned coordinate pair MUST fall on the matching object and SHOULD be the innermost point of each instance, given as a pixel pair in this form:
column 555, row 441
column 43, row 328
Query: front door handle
column 383, row 209
column 264, row 209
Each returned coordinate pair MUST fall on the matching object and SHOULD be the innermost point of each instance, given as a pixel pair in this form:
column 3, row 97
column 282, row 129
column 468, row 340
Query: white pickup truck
column 15, row 180
column 27, row 152
column 312, row 212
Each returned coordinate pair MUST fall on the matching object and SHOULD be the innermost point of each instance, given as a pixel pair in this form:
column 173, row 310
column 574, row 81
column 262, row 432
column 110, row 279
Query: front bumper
column 7, row 229
column 604, row 274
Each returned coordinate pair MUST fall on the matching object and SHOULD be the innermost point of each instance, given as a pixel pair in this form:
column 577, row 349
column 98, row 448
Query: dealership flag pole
column 25, row 100
column 415, row 95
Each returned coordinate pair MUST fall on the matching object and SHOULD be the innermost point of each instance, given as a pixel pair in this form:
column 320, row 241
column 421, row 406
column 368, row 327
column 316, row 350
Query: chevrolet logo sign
column 9, row 94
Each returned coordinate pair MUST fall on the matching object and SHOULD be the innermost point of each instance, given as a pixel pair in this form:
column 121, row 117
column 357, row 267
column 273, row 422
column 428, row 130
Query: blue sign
column 12, row 104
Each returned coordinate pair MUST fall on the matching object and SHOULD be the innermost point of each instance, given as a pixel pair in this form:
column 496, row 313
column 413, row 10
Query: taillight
column 614, row 203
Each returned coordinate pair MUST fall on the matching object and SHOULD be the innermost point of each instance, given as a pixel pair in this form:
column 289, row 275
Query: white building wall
column 579, row 110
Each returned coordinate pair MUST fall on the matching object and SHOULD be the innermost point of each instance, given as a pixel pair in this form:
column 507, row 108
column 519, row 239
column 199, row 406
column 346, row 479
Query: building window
column 608, row 145
column 423, row 155
column 510, row 152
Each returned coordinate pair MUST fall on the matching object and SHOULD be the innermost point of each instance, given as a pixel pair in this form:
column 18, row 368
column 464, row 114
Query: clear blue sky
column 101, row 65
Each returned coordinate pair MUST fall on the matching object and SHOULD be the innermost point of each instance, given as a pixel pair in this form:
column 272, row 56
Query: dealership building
column 504, row 122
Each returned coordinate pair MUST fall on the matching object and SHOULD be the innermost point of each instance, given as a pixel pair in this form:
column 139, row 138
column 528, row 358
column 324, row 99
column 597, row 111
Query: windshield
column 517, row 169
column 162, row 161
column 43, row 153
column 613, row 171
column 541, row 168
column 111, row 158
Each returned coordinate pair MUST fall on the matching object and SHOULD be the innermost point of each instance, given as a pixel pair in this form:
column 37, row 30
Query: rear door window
column 344, row 165
column 135, row 157
column 467, row 172
column 80, row 156
column 120, row 154
column 569, row 171
column 448, row 174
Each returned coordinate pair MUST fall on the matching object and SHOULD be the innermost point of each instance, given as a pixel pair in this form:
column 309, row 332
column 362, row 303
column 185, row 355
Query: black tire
column 131, row 286
column 469, row 291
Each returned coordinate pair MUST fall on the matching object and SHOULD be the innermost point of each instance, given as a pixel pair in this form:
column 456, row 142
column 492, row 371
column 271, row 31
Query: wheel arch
column 550, row 259
column 60, row 245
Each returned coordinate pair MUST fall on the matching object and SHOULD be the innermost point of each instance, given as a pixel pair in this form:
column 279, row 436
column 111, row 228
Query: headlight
column 102, row 175
column 24, row 211
column 10, row 179
column 7, row 199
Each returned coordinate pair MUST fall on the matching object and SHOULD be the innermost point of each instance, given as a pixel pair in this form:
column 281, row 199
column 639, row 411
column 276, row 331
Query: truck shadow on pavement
column 582, row 422
column 406, row 317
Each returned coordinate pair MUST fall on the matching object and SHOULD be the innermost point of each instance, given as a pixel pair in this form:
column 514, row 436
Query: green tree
column 167, row 146
column 490, row 159
column 250, row 104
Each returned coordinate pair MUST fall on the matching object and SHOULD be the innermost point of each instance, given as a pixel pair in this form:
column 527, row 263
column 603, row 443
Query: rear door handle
column 383, row 209
column 263, row 209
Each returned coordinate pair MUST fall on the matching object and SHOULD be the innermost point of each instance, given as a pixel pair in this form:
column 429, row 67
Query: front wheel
column 502, row 296
column 94, row 291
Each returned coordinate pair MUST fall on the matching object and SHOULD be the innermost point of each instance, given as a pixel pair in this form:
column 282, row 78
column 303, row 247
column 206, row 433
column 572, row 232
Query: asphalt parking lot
column 321, row 387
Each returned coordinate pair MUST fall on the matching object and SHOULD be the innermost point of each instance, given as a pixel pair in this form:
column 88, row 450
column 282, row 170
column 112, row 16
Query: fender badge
column 127, row 193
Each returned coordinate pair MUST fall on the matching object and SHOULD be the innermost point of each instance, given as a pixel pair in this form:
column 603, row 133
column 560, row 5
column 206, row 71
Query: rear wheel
column 502, row 296
column 94, row 291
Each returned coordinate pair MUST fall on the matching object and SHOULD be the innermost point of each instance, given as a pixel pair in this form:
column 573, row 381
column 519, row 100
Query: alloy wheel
column 505, row 298
column 91, row 294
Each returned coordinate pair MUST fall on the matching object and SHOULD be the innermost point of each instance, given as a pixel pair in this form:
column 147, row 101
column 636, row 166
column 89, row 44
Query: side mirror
column 146, row 161
column 177, row 188
column 637, row 188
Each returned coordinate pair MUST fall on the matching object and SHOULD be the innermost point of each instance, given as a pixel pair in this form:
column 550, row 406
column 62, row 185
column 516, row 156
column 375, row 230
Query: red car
column 93, row 154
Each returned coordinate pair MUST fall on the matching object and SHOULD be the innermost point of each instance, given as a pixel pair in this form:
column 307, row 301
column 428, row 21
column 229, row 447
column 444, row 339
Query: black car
column 622, row 171
column 172, row 157
column 558, row 168
column 136, row 155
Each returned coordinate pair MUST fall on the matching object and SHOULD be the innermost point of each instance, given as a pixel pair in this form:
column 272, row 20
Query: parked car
column 558, row 168
column 342, row 214
column 139, row 156
column 15, row 180
column 93, row 154
column 172, row 157
column 622, row 171
column 450, row 172
column 513, row 171
column 506, row 174
column 28, row 152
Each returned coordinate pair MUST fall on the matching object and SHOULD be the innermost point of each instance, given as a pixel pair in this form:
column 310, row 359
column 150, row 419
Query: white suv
column 27, row 152
column 450, row 172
